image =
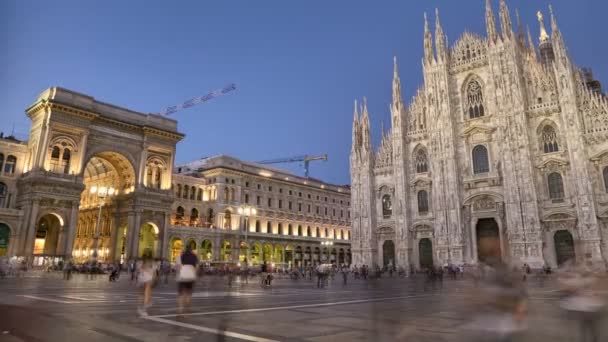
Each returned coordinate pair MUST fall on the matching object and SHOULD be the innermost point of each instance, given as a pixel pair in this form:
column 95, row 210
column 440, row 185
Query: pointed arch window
column 193, row 216
column 269, row 227
column 192, row 193
column 55, row 156
column 605, row 175
column 549, row 139
column 421, row 162
column 556, row 186
column 481, row 162
column 258, row 228
column 423, row 202
column 299, row 230
column 186, row 189
column 308, row 232
column 179, row 190
column 227, row 219
column 474, row 100
column 387, row 207
column 280, row 229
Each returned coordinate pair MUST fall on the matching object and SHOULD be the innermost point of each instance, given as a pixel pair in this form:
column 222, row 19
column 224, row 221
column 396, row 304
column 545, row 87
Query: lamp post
column 247, row 210
column 102, row 193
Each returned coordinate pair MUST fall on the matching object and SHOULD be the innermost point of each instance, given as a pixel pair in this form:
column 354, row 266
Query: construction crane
column 306, row 159
column 197, row 100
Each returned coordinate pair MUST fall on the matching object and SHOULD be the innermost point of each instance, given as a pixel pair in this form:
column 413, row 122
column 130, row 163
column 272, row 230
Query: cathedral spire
column 355, row 145
column 490, row 23
column 520, row 30
column 440, row 45
column 366, row 140
column 556, row 36
column 428, row 42
column 531, row 46
column 505, row 21
column 397, row 105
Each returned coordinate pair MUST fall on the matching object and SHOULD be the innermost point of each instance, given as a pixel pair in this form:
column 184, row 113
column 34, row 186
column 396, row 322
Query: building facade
column 501, row 154
column 232, row 210
column 96, row 181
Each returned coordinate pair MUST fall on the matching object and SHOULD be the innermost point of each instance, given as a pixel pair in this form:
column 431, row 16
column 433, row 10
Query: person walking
column 145, row 279
column 344, row 275
column 186, row 276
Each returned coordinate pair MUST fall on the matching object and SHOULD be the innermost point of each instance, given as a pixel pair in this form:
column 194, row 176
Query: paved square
column 47, row 308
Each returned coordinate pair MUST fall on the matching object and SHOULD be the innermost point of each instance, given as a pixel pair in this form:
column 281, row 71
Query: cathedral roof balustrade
column 544, row 109
column 483, row 180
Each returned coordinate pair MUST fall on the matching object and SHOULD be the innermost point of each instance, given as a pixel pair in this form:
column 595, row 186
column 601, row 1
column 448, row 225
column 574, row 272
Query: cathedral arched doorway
column 47, row 235
column 5, row 235
column 564, row 246
column 425, row 253
column 388, row 253
column 148, row 240
column 488, row 241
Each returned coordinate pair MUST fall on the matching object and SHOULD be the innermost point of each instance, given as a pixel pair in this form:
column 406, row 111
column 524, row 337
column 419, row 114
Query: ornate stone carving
column 484, row 203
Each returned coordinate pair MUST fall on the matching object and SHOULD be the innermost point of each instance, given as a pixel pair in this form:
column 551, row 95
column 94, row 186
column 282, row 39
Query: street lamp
column 247, row 210
column 102, row 193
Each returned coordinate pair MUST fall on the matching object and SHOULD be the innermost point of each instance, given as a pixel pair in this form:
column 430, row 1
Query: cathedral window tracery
column 421, row 161
column 556, row 186
column 387, row 207
column 549, row 139
column 423, row 202
column 474, row 99
column 480, row 160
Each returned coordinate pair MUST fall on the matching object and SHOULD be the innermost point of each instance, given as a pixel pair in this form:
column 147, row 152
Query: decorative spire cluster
column 505, row 21
column 428, row 42
column 440, row 39
column 397, row 108
column 491, row 23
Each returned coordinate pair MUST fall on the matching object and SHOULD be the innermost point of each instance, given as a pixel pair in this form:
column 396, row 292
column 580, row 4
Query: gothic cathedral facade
column 501, row 154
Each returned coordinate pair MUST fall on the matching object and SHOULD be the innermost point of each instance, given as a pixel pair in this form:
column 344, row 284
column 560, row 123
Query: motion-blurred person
column 580, row 286
column 502, row 305
column 145, row 279
column 186, row 276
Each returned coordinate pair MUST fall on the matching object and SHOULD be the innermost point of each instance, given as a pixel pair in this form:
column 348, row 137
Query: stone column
column 30, row 229
column 474, row 240
column 69, row 232
column 114, row 236
column 164, row 238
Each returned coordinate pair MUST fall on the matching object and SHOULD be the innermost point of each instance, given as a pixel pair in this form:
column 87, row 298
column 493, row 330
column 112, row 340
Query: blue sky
column 298, row 65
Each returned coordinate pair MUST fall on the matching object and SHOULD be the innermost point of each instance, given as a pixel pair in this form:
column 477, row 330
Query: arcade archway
column 148, row 240
column 206, row 250
column 226, row 251
column 108, row 177
column 176, row 248
column 47, row 235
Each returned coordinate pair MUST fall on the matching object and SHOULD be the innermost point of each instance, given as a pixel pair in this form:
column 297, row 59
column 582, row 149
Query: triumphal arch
column 97, row 182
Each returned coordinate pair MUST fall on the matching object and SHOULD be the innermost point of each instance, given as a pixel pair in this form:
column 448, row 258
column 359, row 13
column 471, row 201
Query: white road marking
column 358, row 301
column 47, row 299
column 210, row 330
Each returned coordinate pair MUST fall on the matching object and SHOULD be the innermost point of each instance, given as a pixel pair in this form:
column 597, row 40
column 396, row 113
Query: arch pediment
column 552, row 163
column 385, row 230
column 485, row 194
column 478, row 129
column 603, row 155
column 559, row 216
column 422, row 181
